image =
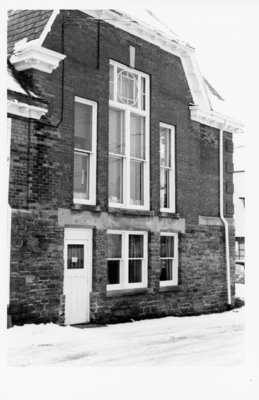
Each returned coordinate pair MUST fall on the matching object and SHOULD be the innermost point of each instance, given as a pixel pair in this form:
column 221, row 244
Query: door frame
column 74, row 235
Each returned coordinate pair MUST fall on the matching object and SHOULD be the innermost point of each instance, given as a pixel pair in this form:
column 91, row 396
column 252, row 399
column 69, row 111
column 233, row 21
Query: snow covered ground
column 206, row 340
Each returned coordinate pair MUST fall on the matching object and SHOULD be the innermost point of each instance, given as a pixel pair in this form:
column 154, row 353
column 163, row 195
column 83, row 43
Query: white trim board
column 25, row 110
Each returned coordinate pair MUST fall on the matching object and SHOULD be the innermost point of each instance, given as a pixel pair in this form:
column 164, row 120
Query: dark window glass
column 115, row 179
column 135, row 271
column 166, row 246
column 75, row 256
column 164, row 188
column 136, row 182
column 81, row 176
column 114, row 246
column 116, row 131
column 135, row 246
column 83, row 126
column 113, row 272
column 166, row 270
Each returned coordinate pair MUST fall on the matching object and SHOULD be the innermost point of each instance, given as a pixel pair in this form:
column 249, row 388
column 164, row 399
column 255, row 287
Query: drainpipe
column 223, row 219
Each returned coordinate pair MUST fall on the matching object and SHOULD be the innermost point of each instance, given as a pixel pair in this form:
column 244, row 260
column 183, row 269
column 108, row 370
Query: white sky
column 221, row 34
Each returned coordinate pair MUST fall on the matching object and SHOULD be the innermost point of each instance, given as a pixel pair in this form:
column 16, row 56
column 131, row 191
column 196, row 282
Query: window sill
column 168, row 214
column 173, row 288
column 85, row 207
column 130, row 211
column 126, row 292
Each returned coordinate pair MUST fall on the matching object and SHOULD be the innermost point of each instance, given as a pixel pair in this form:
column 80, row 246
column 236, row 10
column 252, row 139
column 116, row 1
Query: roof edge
column 215, row 119
column 156, row 37
column 25, row 110
column 48, row 26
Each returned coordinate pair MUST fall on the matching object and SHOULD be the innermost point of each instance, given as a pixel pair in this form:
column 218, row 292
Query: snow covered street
column 206, row 340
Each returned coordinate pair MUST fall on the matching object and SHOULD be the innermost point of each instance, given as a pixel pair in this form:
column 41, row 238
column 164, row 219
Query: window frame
column 92, row 155
column 174, row 281
column 124, row 261
column 126, row 157
column 171, row 169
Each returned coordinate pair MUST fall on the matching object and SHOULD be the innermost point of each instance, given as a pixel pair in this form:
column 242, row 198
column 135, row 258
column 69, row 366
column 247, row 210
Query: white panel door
column 77, row 275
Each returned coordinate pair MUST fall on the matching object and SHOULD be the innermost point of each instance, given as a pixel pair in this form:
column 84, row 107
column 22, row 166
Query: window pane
column 114, row 246
column 83, row 126
column 136, row 183
column 136, row 246
column 116, row 132
column 127, row 87
column 75, row 256
column 111, row 82
column 164, row 188
column 166, row 270
column 113, row 271
column 137, row 136
column 81, row 176
column 166, row 246
column 135, row 271
column 165, row 146
column 115, row 180
column 143, row 93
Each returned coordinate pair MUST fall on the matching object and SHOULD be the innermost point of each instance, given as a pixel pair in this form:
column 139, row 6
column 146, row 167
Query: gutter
column 223, row 219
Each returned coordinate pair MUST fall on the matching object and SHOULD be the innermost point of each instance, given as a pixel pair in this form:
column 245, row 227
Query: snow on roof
column 218, row 103
column 26, row 24
column 14, row 86
column 148, row 19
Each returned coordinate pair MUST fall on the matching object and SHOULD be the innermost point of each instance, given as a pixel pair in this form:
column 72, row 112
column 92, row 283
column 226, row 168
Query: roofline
column 201, row 111
column 157, row 38
column 215, row 119
column 139, row 29
column 48, row 27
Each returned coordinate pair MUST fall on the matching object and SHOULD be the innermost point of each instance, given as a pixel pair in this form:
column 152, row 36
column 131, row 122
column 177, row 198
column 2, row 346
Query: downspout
column 223, row 219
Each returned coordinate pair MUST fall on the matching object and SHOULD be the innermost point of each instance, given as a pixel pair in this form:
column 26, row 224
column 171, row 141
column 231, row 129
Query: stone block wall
column 202, row 280
column 36, row 280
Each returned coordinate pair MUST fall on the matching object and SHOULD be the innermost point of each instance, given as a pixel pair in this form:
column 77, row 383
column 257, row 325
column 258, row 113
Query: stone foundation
column 36, row 280
column 202, row 280
column 37, row 267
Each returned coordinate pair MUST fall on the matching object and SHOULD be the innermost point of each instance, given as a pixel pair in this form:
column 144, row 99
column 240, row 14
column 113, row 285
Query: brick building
column 120, row 172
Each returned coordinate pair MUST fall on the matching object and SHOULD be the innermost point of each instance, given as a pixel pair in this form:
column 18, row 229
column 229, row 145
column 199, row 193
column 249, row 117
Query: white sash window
column 127, row 260
column 85, row 151
column 169, row 259
column 167, row 168
column 128, row 138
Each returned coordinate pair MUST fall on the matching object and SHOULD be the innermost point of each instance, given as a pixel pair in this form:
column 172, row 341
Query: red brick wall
column 48, row 169
column 18, row 185
column 50, row 154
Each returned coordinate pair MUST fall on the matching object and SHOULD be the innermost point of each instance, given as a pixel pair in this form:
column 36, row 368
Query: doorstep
column 88, row 325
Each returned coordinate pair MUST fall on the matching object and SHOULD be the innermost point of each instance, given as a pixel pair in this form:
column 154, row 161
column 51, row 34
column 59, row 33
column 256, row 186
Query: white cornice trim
column 31, row 55
column 25, row 110
column 141, row 30
column 158, row 38
column 48, row 27
column 216, row 120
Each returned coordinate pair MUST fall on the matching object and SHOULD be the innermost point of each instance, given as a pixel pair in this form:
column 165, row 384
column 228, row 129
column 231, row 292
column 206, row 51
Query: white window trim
column 124, row 284
column 174, row 281
column 92, row 161
column 126, row 161
column 172, row 192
